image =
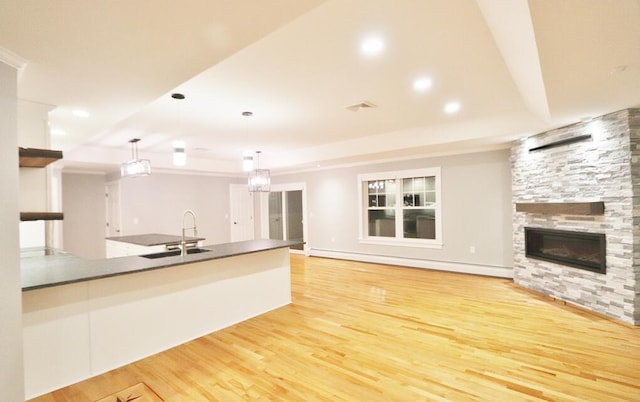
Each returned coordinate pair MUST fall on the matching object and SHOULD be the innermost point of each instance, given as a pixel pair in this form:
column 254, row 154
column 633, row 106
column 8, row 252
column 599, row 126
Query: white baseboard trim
column 475, row 269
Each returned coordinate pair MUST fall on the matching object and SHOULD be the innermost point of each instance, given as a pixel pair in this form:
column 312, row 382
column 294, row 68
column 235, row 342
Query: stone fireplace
column 576, row 193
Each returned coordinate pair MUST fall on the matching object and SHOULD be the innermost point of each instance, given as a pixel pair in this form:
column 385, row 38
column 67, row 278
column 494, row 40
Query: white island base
column 79, row 330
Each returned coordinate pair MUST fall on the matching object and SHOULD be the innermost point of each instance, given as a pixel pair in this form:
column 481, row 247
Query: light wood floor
column 365, row 332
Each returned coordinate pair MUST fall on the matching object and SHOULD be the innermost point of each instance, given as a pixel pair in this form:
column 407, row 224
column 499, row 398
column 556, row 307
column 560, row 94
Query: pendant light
column 259, row 179
column 135, row 167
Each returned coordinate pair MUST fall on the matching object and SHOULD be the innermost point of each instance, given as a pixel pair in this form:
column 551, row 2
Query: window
column 401, row 208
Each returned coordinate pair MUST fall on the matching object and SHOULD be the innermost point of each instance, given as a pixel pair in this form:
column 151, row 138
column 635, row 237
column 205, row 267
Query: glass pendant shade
column 135, row 167
column 259, row 180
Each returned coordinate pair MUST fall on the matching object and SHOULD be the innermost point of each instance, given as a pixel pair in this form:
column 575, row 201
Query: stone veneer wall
column 604, row 168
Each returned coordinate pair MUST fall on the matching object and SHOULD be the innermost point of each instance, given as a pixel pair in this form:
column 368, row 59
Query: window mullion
column 399, row 207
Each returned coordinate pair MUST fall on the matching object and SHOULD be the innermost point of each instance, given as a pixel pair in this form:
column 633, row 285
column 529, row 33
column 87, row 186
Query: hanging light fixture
column 259, row 179
column 135, row 167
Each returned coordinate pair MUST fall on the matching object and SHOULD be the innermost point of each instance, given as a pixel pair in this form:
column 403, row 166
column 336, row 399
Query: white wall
column 476, row 197
column 156, row 203
column 33, row 132
column 11, row 363
column 84, row 214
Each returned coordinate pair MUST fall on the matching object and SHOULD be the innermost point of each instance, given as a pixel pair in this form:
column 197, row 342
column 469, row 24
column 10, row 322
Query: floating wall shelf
column 41, row 216
column 37, row 158
column 566, row 208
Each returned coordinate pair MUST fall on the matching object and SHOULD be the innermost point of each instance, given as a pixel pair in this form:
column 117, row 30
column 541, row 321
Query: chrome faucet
column 183, row 243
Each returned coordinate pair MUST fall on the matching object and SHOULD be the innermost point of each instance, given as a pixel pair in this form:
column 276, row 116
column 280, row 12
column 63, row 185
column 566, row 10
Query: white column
column 11, row 362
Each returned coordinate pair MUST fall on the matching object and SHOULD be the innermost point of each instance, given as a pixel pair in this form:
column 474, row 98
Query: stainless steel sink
column 176, row 252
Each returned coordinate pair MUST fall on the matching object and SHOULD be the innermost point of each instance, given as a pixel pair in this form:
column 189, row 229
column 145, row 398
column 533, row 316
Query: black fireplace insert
column 575, row 249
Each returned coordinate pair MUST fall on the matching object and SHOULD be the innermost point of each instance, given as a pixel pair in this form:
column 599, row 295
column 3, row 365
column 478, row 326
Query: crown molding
column 12, row 59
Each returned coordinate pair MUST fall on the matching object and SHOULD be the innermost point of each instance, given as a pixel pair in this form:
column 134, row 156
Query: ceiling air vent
column 361, row 105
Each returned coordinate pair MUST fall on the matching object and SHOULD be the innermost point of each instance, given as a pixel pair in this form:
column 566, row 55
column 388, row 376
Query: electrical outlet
column 472, row 249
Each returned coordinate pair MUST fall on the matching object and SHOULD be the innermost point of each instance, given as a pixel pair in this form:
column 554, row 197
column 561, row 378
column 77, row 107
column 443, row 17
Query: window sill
column 402, row 242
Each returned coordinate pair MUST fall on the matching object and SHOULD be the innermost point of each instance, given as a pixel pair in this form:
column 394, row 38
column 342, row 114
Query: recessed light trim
column 422, row 84
column 178, row 96
column 452, row 107
column 372, row 46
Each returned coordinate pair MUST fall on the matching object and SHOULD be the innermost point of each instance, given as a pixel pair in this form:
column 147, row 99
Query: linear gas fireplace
column 574, row 249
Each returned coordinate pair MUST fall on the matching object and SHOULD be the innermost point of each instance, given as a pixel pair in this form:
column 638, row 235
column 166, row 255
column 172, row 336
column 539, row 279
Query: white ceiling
column 517, row 67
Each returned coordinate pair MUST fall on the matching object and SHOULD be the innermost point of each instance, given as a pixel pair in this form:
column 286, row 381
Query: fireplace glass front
column 575, row 249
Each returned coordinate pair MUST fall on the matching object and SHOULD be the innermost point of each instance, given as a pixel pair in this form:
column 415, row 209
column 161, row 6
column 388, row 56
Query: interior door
column 294, row 222
column 241, row 213
column 286, row 213
column 112, row 199
column 276, row 228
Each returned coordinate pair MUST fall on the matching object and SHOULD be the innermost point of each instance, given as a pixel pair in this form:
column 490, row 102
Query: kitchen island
column 84, row 317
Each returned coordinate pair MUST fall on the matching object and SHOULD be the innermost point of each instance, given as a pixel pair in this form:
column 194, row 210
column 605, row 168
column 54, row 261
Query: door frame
column 118, row 207
column 264, row 209
column 233, row 188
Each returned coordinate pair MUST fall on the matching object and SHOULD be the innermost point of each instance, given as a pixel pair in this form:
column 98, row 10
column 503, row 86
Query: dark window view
column 416, row 207
column 382, row 223
column 381, row 204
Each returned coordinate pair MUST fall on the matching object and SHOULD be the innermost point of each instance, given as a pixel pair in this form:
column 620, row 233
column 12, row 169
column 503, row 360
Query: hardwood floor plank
column 359, row 331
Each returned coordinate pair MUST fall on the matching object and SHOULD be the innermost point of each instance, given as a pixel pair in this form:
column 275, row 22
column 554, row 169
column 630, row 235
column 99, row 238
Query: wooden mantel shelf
column 38, row 158
column 566, row 208
column 41, row 216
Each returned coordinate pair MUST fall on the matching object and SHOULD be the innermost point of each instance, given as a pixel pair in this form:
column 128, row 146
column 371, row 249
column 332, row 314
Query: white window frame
column 398, row 240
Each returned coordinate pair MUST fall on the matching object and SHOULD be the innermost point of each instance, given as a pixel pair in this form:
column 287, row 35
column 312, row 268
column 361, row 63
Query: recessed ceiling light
column 372, row 46
column 57, row 131
column 452, row 107
column 81, row 113
column 422, row 84
column 178, row 96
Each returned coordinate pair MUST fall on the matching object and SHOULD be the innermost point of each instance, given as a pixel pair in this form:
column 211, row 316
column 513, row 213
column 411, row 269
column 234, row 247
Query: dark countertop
column 55, row 270
column 154, row 239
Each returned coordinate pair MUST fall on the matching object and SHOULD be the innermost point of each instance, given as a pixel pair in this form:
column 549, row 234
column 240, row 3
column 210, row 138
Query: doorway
column 241, row 219
column 287, row 210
